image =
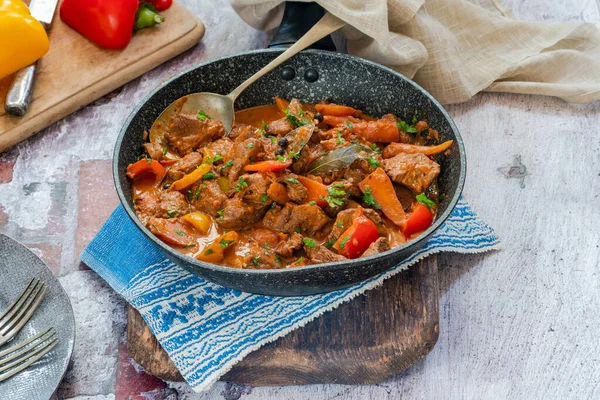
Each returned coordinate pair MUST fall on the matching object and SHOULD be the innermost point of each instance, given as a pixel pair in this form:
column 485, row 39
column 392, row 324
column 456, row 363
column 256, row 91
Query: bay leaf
column 339, row 158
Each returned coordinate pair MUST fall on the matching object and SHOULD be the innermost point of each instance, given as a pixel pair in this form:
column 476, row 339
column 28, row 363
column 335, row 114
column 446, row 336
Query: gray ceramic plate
column 17, row 266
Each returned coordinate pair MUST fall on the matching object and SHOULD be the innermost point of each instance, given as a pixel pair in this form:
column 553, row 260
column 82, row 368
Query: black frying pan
column 310, row 76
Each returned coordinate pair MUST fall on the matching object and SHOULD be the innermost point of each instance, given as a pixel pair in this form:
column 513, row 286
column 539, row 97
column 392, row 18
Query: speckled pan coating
column 342, row 78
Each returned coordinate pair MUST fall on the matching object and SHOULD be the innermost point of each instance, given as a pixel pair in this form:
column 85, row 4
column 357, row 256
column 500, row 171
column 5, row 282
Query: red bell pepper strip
column 161, row 5
column 419, row 220
column 108, row 23
column 356, row 239
column 269, row 165
column 145, row 166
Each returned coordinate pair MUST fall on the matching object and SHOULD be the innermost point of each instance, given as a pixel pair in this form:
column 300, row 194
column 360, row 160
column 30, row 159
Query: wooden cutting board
column 365, row 341
column 76, row 72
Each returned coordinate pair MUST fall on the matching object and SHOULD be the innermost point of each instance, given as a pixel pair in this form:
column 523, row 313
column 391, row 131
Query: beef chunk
column 256, row 191
column 163, row 205
column 237, row 214
column 265, row 237
column 154, row 150
column 187, row 133
column 208, row 197
column 221, row 146
column 146, row 205
column 172, row 204
column 241, row 154
column 286, row 247
column 279, row 127
column 321, row 254
column 241, row 132
column 378, row 246
column 258, row 257
column 186, row 165
column 345, row 218
column 306, row 218
column 296, row 191
column 415, row 171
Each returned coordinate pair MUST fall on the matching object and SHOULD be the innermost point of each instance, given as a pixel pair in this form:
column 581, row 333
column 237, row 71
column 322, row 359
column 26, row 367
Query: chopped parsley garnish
column 406, row 127
column 375, row 148
column 197, row 194
column 349, row 124
column 241, row 184
column 280, row 158
column 180, row 233
column 165, row 150
column 264, row 125
column 293, row 155
column 191, row 244
column 373, row 162
column 216, row 158
column 370, row 200
column 344, row 241
column 299, row 260
column 339, row 224
column 297, row 230
column 294, row 120
column 172, row 213
column 148, row 159
column 293, row 180
column 227, row 164
column 264, row 198
column 267, row 246
column 220, row 214
column 273, row 140
column 414, row 119
column 208, row 175
column 301, row 112
column 308, row 242
column 312, row 202
column 442, row 197
column 250, row 145
column 225, row 243
column 340, row 139
column 278, row 259
column 423, row 199
column 336, row 195
column 208, row 252
column 202, row 115
column 190, row 195
column 330, row 243
column 255, row 260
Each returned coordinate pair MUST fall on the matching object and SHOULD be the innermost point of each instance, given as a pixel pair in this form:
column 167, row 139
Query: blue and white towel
column 206, row 328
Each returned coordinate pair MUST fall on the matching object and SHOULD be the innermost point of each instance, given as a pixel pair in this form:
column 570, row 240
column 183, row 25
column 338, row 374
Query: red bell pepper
column 145, row 166
column 269, row 165
column 161, row 5
column 108, row 23
column 356, row 239
column 419, row 220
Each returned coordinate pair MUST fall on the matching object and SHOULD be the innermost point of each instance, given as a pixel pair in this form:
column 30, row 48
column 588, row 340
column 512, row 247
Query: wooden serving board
column 76, row 72
column 365, row 341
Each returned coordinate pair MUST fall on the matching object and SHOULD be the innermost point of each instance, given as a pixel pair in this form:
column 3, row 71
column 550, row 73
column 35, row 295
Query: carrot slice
column 379, row 185
column 337, row 110
column 397, row 148
column 315, row 191
column 282, row 104
column 380, row 130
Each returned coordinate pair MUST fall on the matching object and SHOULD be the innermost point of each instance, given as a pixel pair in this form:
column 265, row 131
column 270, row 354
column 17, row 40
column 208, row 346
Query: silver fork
column 22, row 355
column 19, row 312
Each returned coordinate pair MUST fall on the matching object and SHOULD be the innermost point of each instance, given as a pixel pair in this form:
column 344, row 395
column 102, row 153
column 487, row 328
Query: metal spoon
column 221, row 106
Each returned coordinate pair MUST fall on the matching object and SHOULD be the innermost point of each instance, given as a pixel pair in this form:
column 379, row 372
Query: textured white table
column 521, row 323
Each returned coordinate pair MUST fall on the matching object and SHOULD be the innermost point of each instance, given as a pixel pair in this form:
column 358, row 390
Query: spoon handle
column 326, row 25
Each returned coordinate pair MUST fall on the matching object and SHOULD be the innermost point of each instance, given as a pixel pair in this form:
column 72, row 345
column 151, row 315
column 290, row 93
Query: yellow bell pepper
column 23, row 39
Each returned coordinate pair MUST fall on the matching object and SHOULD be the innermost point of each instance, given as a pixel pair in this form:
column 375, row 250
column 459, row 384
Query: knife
column 19, row 92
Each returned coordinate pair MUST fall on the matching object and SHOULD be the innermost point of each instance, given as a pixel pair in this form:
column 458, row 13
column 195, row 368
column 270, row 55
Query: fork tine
column 30, row 359
column 24, row 294
column 18, row 349
column 24, row 314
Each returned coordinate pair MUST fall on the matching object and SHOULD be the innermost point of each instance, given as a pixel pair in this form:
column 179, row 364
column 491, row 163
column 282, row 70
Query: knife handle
column 19, row 92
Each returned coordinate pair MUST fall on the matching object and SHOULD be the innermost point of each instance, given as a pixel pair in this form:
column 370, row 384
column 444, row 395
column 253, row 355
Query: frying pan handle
column 298, row 18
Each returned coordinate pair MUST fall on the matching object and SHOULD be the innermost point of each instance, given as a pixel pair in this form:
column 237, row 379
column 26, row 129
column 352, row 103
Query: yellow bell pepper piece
column 23, row 39
column 213, row 253
column 200, row 221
